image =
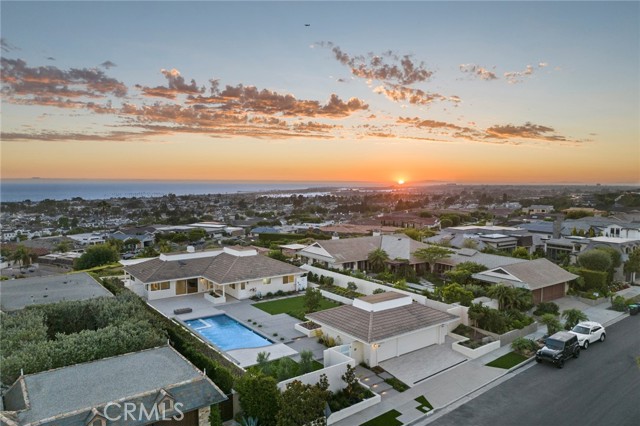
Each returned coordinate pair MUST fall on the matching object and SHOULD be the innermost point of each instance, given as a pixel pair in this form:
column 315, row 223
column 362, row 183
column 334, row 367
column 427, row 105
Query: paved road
column 602, row 387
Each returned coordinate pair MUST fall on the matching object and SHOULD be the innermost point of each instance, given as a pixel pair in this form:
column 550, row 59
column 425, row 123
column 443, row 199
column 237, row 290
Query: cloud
column 20, row 80
column 514, row 77
column 5, row 46
column 176, row 86
column 375, row 67
column 48, row 136
column 108, row 64
column 525, row 131
column 51, row 58
column 399, row 93
column 249, row 99
column 478, row 71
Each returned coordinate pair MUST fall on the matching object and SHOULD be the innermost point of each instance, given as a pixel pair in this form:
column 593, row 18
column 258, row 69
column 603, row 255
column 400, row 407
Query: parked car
column 558, row 348
column 589, row 332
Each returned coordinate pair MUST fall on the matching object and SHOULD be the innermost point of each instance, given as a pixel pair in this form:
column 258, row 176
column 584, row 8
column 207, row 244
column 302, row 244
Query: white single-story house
column 239, row 272
column 546, row 280
column 383, row 326
column 353, row 253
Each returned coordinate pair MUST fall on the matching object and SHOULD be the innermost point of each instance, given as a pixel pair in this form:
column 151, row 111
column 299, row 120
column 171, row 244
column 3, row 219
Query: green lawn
column 293, row 306
column 390, row 418
column 507, row 361
column 425, row 405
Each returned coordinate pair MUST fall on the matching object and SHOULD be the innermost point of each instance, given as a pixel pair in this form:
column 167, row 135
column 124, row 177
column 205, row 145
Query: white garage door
column 418, row 340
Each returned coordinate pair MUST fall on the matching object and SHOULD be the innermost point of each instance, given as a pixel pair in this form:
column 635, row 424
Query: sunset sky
column 469, row 92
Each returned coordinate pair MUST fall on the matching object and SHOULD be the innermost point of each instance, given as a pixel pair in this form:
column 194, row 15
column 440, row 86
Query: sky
column 467, row 92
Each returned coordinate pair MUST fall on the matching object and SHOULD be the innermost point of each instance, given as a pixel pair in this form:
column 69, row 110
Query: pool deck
column 278, row 328
column 247, row 357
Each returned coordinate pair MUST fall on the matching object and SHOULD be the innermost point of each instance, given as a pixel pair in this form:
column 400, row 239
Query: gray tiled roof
column 223, row 268
column 71, row 392
column 470, row 255
column 358, row 249
column 536, row 274
column 20, row 293
column 373, row 327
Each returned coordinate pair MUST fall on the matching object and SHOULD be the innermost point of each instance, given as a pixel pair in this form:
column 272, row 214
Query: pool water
column 227, row 333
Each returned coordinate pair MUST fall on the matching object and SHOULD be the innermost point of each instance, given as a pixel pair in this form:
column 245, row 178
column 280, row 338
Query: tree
column 432, row 254
column 456, row 293
column 632, row 265
column 378, row 260
column 470, row 243
column 351, row 380
column 262, row 361
column 520, row 253
column 312, row 299
column 503, row 294
column 462, row 272
column 595, row 260
column 552, row 323
column 573, row 317
column 63, row 246
column 98, row 255
column 196, row 234
column 214, row 416
column 259, row 397
column 277, row 255
column 306, row 362
column 302, row 404
column 22, row 254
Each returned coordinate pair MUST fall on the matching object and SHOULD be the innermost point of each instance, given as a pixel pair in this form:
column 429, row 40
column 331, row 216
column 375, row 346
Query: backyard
column 293, row 306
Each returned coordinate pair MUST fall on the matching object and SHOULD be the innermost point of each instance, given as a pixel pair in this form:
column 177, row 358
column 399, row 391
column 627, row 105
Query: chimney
column 557, row 226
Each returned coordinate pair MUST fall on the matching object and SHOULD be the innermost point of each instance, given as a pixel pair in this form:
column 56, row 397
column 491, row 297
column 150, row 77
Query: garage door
column 553, row 292
column 418, row 340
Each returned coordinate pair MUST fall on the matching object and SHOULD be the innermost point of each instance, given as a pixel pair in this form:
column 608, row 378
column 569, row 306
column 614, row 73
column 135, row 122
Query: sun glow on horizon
column 400, row 181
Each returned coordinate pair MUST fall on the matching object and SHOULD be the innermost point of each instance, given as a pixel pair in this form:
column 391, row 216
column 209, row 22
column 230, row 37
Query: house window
column 233, row 286
column 243, row 286
column 159, row 286
column 98, row 422
column 288, row 279
column 266, row 281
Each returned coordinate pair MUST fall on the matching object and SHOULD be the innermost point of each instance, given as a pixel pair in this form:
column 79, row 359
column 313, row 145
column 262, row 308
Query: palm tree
column 573, row 317
column 552, row 323
column 505, row 296
column 23, row 255
column 378, row 260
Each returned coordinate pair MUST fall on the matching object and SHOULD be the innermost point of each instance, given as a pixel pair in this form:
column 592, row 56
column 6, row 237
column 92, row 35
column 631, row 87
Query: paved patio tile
column 362, row 372
column 385, row 375
column 372, row 380
column 380, row 387
column 308, row 344
column 388, row 393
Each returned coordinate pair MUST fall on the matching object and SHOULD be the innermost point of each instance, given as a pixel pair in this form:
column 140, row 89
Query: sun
column 400, row 181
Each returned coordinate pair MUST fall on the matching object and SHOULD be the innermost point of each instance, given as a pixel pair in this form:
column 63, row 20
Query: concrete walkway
column 454, row 384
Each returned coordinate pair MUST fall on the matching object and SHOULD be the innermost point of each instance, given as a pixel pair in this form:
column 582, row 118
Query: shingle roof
column 382, row 297
column 223, row 268
column 470, row 255
column 133, row 377
column 372, row 327
column 18, row 294
column 536, row 273
column 358, row 249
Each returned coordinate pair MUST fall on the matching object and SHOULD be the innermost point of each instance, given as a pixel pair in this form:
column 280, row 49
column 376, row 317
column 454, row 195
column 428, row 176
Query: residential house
column 383, row 326
column 546, row 280
column 19, row 294
column 153, row 386
column 470, row 255
column 237, row 272
column 353, row 253
column 409, row 220
column 537, row 209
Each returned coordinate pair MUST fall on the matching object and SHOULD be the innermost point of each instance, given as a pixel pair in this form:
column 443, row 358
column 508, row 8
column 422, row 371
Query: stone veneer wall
column 203, row 416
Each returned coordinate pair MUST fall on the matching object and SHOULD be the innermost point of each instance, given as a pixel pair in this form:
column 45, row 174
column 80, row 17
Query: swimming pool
column 227, row 333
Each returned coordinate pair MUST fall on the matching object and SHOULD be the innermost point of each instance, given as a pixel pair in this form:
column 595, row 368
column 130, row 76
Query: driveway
column 416, row 366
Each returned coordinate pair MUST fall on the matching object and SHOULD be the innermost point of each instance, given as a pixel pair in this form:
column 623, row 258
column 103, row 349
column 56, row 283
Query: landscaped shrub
column 379, row 290
column 547, row 308
column 619, row 304
column 524, row 346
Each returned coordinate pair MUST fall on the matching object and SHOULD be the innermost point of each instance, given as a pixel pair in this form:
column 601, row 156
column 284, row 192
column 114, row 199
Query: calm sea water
column 41, row 189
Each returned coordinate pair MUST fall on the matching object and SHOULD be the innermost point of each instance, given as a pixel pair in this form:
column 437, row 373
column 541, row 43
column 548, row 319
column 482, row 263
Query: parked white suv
column 588, row 332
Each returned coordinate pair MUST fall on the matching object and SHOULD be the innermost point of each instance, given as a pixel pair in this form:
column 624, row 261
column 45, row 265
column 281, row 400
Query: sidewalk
column 452, row 385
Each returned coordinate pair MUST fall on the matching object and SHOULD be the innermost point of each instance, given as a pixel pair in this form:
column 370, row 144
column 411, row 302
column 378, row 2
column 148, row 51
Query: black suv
column 558, row 348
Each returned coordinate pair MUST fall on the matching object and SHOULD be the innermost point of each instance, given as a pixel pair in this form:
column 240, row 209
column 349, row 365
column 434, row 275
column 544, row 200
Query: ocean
column 58, row 189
